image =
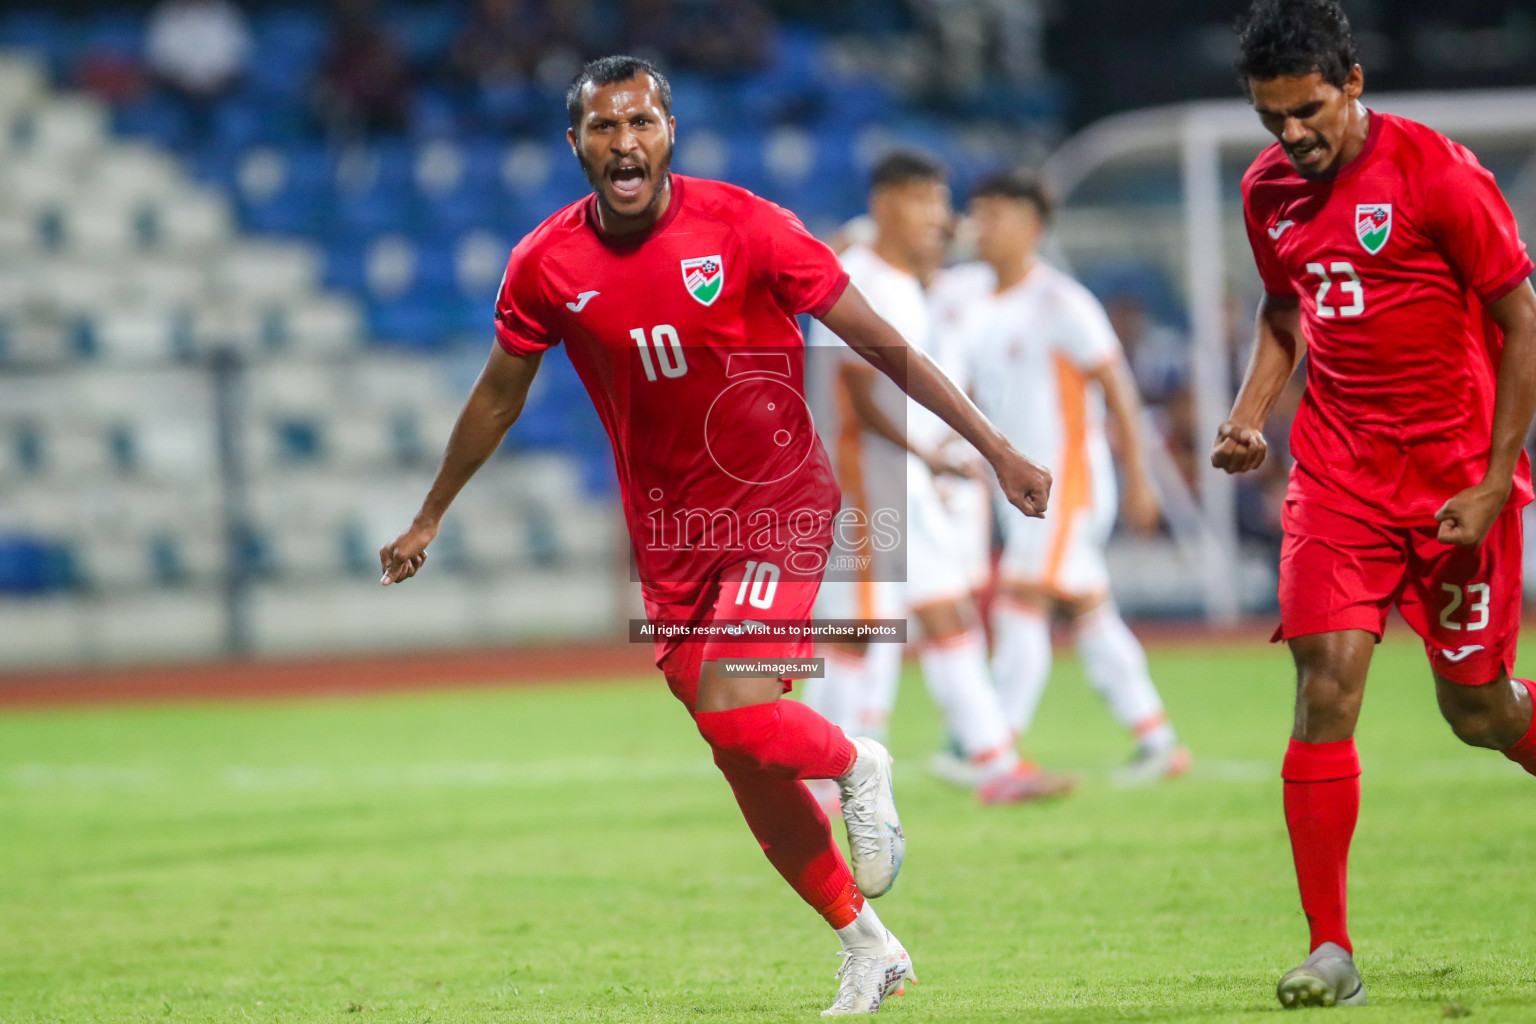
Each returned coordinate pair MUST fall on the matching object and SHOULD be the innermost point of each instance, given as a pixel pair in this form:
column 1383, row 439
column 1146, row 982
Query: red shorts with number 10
column 1338, row 572
column 757, row 588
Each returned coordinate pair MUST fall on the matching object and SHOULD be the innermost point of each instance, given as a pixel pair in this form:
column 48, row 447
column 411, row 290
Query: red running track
column 351, row 675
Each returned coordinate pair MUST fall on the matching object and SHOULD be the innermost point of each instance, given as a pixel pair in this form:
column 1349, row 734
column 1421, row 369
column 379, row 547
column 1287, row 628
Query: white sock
column 866, row 934
column 877, row 691
column 836, row 696
column 1117, row 668
column 955, row 670
column 1021, row 664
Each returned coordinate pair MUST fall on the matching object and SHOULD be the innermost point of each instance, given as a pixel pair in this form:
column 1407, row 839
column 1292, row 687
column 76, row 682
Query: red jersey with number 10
column 686, row 339
column 1393, row 261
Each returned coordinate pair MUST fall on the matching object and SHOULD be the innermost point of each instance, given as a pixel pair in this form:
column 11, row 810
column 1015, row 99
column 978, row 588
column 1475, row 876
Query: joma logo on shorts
column 1462, row 653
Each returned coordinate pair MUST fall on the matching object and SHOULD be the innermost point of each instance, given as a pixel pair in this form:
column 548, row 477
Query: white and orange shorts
column 1062, row 554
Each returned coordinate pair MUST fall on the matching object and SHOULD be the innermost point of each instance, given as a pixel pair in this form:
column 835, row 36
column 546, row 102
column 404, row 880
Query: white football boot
column 1153, row 764
column 955, row 769
column 1327, row 978
column 876, row 844
column 868, row 978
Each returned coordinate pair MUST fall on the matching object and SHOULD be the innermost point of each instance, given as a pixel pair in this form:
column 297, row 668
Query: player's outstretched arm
column 1139, row 506
column 493, row 406
column 857, row 380
column 1277, row 349
column 1469, row 515
column 1026, row 483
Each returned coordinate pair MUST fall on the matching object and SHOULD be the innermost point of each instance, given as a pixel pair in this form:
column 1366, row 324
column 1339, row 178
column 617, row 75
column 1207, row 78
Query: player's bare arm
column 1467, row 517
column 1277, row 350
column 858, row 383
column 493, row 406
column 1026, row 483
column 1139, row 506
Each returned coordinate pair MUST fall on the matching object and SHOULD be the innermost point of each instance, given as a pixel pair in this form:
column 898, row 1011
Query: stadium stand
column 169, row 262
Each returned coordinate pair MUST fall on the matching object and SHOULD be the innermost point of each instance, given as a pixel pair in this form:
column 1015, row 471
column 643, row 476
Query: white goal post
column 1197, row 136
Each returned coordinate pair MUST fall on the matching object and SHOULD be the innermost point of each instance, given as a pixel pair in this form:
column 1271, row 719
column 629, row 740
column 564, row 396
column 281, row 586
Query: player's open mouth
column 627, row 181
column 1309, row 155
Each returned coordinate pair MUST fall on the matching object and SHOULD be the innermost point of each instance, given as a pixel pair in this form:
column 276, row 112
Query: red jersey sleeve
column 804, row 275
column 522, row 314
column 1276, row 281
column 1468, row 218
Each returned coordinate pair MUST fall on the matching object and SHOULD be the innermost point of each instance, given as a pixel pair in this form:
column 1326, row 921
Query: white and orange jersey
column 870, row 469
column 862, row 459
column 1029, row 353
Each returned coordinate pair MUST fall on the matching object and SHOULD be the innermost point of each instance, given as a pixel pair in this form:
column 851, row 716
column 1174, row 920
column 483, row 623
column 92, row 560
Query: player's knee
column 1325, row 691
column 733, row 741
column 1327, row 704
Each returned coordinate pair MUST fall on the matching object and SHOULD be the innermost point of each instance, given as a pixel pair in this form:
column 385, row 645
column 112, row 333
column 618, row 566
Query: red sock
column 1322, row 803
column 785, row 739
column 793, row 832
column 1523, row 750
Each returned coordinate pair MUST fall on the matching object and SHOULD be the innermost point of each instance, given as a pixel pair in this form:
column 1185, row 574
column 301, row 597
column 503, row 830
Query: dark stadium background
column 235, row 326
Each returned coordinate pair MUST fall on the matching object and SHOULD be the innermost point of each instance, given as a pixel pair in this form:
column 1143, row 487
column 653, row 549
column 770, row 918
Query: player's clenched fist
column 403, row 556
column 1025, row 483
column 1469, row 515
column 1238, row 448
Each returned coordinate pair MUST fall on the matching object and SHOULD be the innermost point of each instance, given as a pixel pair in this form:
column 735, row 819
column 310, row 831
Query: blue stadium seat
column 43, row 33
column 436, row 266
column 35, row 565
column 418, row 322
column 290, row 36
column 464, row 209
column 346, row 265
column 436, row 112
column 298, row 202
column 155, row 117
column 118, row 34
column 425, row 32
column 246, row 119
column 510, row 108
column 374, row 210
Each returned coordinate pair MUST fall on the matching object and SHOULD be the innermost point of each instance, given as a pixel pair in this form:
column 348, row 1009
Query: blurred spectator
column 500, row 43
column 364, row 85
column 198, row 48
column 721, row 37
column 972, row 42
column 1261, row 494
column 1181, row 432
column 1158, row 354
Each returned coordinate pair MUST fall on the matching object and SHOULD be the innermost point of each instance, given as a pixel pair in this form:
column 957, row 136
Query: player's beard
column 663, row 175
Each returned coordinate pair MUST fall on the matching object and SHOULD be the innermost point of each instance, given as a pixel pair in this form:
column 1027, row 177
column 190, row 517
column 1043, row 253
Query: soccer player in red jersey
column 676, row 300
column 1390, row 259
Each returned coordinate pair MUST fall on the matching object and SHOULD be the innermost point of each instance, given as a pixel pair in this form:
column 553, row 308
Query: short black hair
column 1293, row 38
column 903, row 166
column 1024, row 186
column 609, row 70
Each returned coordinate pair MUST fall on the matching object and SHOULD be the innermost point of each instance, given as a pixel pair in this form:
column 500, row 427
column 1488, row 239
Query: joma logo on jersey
column 704, row 277
column 1373, row 223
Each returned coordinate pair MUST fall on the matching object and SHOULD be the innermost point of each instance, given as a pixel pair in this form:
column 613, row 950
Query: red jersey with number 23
column 686, row 339
column 1393, row 261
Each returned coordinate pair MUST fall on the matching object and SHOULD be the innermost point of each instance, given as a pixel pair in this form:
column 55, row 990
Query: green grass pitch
column 569, row 854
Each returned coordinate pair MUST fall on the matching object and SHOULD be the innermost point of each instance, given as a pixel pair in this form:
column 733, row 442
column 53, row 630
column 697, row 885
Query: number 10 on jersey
column 668, row 350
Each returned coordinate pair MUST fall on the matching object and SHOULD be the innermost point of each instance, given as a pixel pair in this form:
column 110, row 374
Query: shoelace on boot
column 855, row 974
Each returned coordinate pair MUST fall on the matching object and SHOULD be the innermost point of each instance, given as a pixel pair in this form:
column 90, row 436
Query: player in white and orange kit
column 880, row 435
column 675, row 299
column 1041, row 357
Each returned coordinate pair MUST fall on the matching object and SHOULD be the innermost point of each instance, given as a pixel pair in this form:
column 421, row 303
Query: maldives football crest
column 1373, row 223
column 704, row 277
